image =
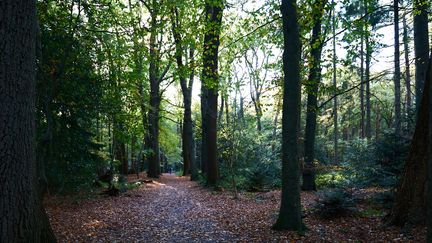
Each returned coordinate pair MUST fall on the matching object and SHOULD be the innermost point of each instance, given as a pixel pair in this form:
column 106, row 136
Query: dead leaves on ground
column 173, row 209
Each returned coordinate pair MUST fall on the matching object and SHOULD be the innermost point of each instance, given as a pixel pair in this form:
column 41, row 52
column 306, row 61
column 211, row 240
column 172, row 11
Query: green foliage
column 248, row 156
column 334, row 203
column 376, row 164
column 333, row 179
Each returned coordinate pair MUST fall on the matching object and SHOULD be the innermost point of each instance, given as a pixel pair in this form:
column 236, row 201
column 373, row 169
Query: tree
column 188, row 141
column 410, row 203
column 23, row 217
column 397, row 72
column 407, row 65
column 335, row 100
column 290, row 209
column 429, row 186
column 156, row 76
column 256, row 82
column 421, row 46
column 312, row 86
column 209, row 88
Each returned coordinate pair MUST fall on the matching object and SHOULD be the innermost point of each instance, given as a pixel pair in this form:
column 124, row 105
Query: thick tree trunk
column 23, row 218
column 429, row 186
column 396, row 78
column 312, row 101
column 210, row 79
column 290, row 209
column 421, row 46
column 410, row 204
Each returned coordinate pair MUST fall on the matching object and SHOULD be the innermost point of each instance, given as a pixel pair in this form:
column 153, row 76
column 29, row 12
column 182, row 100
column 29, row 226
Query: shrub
column 334, row 203
column 385, row 199
column 334, row 179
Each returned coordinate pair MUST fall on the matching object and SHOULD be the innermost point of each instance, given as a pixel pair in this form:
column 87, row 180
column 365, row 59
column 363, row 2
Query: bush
column 376, row 164
column 334, row 179
column 334, row 203
column 385, row 199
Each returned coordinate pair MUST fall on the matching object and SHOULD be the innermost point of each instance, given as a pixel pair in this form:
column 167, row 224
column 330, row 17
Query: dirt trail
column 174, row 209
column 164, row 211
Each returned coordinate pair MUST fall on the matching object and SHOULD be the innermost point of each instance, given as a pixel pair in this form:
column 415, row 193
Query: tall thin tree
column 290, row 209
column 314, row 80
column 186, row 87
column 396, row 78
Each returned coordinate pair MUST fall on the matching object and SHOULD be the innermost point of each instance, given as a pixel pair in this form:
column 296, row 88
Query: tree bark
column 290, row 209
column 407, row 67
column 23, row 218
column 429, row 185
column 153, row 113
column 396, row 78
column 312, row 101
column 210, row 79
column 421, row 46
column 410, row 204
column 335, row 101
column 362, row 87
column 187, row 133
column 368, row 127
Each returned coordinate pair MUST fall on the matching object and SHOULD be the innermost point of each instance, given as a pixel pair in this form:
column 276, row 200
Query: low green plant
column 334, row 203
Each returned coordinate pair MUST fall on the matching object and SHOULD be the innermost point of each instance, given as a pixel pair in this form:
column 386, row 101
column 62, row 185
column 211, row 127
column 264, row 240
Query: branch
column 348, row 90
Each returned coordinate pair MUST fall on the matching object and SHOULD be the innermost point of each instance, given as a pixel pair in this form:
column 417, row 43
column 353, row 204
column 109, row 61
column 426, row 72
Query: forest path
column 174, row 209
column 171, row 209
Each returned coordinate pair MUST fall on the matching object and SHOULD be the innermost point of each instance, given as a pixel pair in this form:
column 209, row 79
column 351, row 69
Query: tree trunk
column 290, row 209
column 429, row 186
column 368, row 127
column 421, row 46
column 23, row 218
column 312, row 101
column 203, row 129
column 377, row 122
column 410, row 204
column 153, row 113
column 210, row 79
column 396, row 78
column 187, row 133
column 362, row 87
column 335, row 101
column 407, row 68
column 190, row 130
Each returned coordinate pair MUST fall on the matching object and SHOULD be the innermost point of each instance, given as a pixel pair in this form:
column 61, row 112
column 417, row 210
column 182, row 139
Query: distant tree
column 188, row 141
column 397, row 72
column 407, row 65
column 23, row 218
column 290, row 209
column 314, row 79
column 156, row 76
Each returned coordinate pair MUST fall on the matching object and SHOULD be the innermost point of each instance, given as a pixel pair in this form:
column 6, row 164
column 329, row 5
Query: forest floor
column 174, row 209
